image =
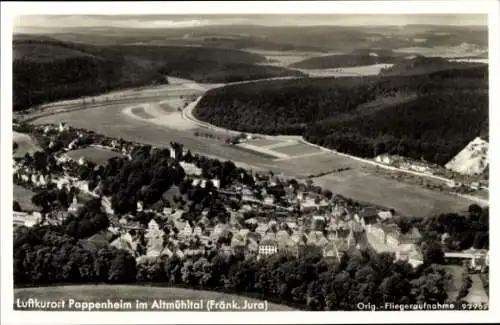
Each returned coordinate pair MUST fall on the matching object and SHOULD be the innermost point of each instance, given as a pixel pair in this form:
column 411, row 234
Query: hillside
column 46, row 69
column 472, row 160
column 425, row 115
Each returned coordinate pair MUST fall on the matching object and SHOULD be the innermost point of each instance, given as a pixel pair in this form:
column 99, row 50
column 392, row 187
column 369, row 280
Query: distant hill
column 45, row 69
column 429, row 115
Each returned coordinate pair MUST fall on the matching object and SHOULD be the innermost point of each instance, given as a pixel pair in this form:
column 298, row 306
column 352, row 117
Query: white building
column 267, row 248
column 140, row 206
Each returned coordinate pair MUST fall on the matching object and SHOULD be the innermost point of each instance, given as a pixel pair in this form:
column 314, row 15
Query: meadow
column 93, row 154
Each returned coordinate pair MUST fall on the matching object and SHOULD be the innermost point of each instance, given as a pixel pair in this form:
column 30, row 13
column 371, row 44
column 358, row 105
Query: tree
column 433, row 254
column 122, row 268
column 17, row 206
column 475, row 211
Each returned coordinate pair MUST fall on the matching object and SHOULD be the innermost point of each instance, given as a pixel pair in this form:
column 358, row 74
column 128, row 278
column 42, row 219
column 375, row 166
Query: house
column 378, row 232
column 330, row 252
column 355, row 226
column 291, row 225
column 180, row 253
column 267, row 248
column 287, row 245
column 444, row 238
column 341, row 247
column 125, row 243
column 323, row 206
column 63, row 126
column 339, row 211
column 254, row 236
column 252, row 246
column 262, row 229
column 318, row 222
column 244, row 232
column 197, row 231
column 75, row 206
column 308, row 205
column 154, row 242
column 384, row 159
column 368, row 217
column 190, row 169
column 385, row 215
column 316, row 238
column 42, row 181
column 268, row 201
column 227, row 250
column 238, row 244
column 187, row 231
column 216, row 183
column 282, row 236
column 396, row 238
column 219, row 230
column 474, row 186
column 153, row 225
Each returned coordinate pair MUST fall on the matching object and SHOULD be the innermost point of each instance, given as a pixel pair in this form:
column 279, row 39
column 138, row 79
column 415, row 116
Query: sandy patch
column 154, row 114
column 473, row 159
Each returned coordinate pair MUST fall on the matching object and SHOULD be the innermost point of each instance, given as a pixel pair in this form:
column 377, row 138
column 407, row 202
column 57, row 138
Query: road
column 477, row 294
column 359, row 182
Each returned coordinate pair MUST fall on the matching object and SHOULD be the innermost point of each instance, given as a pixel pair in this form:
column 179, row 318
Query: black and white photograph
column 207, row 157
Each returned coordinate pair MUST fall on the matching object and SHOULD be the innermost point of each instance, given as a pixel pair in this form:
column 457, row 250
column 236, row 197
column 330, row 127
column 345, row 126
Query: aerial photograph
column 250, row 162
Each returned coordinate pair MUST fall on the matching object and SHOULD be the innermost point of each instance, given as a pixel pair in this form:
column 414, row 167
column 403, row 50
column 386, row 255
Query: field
column 359, row 182
column 263, row 142
column 297, row 149
column 255, row 151
column 131, row 293
column 93, row 154
column 23, row 196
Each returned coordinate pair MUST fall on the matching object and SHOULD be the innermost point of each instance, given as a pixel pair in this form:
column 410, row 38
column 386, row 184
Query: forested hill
column 423, row 115
column 426, row 65
column 345, row 60
column 46, row 70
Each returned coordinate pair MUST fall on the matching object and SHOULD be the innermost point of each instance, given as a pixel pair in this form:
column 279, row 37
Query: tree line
column 48, row 255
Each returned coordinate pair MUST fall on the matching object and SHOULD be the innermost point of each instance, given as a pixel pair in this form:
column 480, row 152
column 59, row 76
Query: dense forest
column 46, row 70
column 429, row 115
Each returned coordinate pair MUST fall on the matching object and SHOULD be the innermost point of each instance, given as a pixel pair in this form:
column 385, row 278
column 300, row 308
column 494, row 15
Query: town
column 207, row 207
